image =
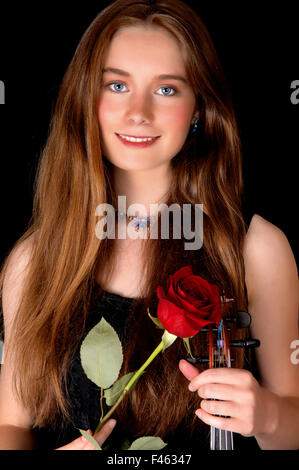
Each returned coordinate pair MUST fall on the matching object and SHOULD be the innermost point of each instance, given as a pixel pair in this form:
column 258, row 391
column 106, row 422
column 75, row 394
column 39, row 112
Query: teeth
column 133, row 139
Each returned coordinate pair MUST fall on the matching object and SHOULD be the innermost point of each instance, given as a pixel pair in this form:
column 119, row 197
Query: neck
column 143, row 187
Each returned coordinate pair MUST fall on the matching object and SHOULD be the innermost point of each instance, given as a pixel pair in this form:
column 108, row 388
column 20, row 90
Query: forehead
column 145, row 48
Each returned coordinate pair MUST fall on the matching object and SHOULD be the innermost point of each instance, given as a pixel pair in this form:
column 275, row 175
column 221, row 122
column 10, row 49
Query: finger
column 105, row 432
column 81, row 443
column 221, row 375
column 224, row 408
column 189, row 371
column 228, row 424
column 220, row 392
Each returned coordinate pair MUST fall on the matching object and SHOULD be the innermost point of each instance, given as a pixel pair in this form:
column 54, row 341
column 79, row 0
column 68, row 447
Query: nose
column 139, row 110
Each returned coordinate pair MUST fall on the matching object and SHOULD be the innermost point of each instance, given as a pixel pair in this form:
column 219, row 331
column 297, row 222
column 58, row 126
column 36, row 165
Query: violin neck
column 220, row 439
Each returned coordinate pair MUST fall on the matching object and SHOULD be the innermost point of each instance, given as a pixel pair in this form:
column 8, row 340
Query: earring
column 195, row 124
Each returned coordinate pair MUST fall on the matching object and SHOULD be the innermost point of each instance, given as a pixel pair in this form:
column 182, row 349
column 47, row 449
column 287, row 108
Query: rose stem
column 129, row 385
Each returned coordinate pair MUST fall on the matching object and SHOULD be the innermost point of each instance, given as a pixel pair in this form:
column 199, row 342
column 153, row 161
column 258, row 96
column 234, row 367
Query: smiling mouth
column 137, row 139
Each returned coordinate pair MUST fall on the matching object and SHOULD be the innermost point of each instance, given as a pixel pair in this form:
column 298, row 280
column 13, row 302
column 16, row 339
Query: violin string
column 219, row 341
column 230, row 432
column 221, row 436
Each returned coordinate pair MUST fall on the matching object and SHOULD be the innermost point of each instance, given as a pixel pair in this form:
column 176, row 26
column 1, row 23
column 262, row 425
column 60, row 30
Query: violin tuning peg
column 246, row 343
column 201, row 360
column 242, row 319
column 197, row 360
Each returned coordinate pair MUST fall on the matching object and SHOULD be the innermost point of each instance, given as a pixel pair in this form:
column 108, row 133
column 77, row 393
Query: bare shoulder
column 271, row 278
column 21, row 253
column 12, row 411
column 270, row 265
column 14, row 277
column 261, row 231
column 267, row 243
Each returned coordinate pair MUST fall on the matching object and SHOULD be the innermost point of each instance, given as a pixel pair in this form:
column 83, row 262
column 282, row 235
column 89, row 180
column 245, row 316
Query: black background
column 258, row 48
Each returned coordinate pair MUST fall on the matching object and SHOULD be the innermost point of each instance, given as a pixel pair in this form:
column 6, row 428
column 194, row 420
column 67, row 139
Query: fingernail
column 112, row 423
column 190, row 386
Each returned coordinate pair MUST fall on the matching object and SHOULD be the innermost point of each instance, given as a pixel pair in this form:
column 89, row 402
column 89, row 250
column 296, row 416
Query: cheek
column 107, row 111
column 179, row 119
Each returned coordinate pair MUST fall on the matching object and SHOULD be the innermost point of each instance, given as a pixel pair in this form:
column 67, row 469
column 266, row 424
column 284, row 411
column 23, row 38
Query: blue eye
column 167, row 88
column 117, row 88
column 118, row 84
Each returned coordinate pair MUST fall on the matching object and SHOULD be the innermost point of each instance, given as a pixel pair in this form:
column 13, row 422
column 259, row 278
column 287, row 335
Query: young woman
column 143, row 112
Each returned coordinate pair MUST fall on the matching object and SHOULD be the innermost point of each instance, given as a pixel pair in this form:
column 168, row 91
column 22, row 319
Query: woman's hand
column 81, row 443
column 237, row 394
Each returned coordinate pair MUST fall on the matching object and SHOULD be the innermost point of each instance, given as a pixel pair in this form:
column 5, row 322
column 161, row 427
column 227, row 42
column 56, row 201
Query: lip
column 138, row 144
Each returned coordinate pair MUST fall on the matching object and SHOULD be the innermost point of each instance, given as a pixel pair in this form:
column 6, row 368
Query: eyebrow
column 162, row 77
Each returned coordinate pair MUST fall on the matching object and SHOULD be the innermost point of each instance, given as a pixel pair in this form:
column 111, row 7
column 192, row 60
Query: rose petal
column 160, row 293
column 173, row 319
column 189, row 303
column 181, row 323
column 182, row 273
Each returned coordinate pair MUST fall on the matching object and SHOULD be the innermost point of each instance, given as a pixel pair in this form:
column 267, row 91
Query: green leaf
column 113, row 393
column 168, row 339
column 90, row 439
column 156, row 321
column 187, row 346
column 147, row 443
column 101, row 354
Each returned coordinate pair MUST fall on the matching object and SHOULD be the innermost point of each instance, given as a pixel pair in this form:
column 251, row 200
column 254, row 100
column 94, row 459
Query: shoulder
column 271, row 278
column 14, row 276
column 266, row 243
column 270, row 265
column 18, row 260
column 12, row 411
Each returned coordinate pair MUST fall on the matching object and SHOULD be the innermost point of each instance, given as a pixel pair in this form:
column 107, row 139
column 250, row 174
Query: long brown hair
column 73, row 178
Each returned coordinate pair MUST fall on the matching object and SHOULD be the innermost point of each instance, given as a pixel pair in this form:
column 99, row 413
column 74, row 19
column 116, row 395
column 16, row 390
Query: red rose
column 189, row 303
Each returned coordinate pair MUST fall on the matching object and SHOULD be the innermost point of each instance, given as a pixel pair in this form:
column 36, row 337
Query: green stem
column 129, row 385
column 144, row 366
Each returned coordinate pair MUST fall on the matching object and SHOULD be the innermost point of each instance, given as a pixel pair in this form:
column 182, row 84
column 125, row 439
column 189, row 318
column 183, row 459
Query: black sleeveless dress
column 85, row 395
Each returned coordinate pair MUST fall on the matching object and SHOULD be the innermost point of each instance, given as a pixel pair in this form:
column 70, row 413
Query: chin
column 133, row 167
column 128, row 164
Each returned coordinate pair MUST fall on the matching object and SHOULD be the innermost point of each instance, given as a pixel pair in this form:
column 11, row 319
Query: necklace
column 139, row 222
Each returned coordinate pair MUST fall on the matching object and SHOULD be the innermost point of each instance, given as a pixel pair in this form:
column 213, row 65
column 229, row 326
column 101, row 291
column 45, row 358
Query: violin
column 219, row 347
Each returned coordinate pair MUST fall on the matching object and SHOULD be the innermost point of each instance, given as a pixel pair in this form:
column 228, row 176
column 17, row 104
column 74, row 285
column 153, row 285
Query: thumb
column 188, row 369
column 104, row 433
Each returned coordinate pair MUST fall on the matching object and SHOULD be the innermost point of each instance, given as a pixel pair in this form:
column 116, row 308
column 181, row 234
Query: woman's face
column 138, row 100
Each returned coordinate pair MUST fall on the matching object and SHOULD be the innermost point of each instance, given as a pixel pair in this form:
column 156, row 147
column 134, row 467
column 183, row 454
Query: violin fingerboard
column 219, row 354
column 221, row 439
